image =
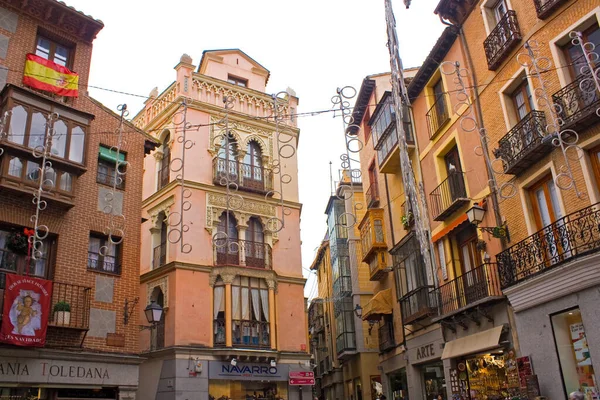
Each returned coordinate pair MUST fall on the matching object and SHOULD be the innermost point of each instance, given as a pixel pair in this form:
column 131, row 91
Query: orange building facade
column 231, row 285
column 87, row 236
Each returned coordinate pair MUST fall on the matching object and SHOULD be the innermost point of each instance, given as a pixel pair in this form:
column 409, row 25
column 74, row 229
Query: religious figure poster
column 26, row 310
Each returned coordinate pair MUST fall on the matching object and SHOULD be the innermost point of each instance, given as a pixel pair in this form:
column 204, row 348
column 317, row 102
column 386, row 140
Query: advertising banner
column 26, row 310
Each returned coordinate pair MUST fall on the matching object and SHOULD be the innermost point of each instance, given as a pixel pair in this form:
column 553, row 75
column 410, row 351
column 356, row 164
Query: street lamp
column 358, row 311
column 153, row 313
column 475, row 215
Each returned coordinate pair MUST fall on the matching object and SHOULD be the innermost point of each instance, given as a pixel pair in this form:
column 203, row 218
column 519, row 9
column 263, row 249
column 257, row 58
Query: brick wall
column 73, row 226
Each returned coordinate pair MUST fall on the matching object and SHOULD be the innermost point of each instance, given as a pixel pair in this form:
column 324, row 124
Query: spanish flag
column 46, row 75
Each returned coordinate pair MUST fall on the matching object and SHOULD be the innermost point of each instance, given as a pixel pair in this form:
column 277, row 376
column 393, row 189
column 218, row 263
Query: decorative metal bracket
column 128, row 309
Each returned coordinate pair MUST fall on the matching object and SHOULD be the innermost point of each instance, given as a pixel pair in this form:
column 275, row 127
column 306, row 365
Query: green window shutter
column 109, row 155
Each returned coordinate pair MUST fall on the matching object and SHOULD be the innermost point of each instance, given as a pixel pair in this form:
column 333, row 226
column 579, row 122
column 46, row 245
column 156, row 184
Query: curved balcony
column 247, row 177
column 243, row 253
column 501, row 40
column 564, row 240
column 524, row 144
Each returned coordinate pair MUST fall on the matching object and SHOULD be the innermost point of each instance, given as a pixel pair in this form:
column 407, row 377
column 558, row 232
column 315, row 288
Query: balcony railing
column 372, row 195
column 468, row 290
column 418, row 304
column 342, row 285
column 108, row 179
column 345, row 342
column 159, row 257
column 572, row 236
column 450, row 195
column 96, row 263
column 219, row 332
column 577, row 103
column 251, row 333
column 78, row 298
column 437, row 116
column 523, row 145
column 386, row 336
column 243, row 253
column 545, row 8
column 503, row 38
column 245, row 176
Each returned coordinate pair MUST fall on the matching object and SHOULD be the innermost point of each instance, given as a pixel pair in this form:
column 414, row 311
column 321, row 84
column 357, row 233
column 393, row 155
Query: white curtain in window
column 218, row 300
column 94, row 251
column 235, row 302
column 264, row 297
column 256, row 304
column 245, row 305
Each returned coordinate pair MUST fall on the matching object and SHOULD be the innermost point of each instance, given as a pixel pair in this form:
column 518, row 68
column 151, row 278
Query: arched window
column 163, row 172
column 160, row 249
column 228, row 252
column 250, row 312
column 227, row 157
column 253, row 168
column 219, row 313
column 254, row 246
column 157, row 337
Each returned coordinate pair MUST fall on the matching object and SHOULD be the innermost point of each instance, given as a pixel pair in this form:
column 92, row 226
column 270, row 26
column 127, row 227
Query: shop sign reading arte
column 27, row 305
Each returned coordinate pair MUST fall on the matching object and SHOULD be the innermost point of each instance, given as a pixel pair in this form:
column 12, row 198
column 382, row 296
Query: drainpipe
column 387, row 197
column 484, row 144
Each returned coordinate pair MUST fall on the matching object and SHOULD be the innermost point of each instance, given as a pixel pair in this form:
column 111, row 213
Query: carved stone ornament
column 164, row 207
column 228, row 274
column 163, row 284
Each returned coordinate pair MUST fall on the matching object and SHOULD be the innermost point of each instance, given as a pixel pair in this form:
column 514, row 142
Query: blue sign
column 247, row 371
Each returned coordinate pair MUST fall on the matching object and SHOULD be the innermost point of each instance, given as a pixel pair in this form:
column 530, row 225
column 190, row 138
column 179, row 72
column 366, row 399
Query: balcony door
column 456, row 183
column 252, row 170
column 471, row 282
column 228, row 251
column 227, row 159
column 500, row 10
column 440, row 102
column 553, row 240
column 165, row 164
column 254, row 247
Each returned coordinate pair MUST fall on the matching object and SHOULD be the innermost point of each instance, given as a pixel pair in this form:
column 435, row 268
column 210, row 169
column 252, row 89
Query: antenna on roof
column 330, row 178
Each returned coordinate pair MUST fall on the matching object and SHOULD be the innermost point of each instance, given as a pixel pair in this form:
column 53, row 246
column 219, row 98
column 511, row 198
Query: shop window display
column 574, row 354
column 398, row 385
column 487, row 377
column 435, row 383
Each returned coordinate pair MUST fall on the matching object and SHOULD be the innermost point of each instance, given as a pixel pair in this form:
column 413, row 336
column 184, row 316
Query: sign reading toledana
column 29, row 370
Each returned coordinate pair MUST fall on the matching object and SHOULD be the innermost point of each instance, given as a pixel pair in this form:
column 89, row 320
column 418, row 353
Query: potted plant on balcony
column 62, row 313
column 17, row 242
column 408, row 220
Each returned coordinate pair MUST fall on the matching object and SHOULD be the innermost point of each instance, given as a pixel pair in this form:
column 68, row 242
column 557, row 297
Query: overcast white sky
column 312, row 46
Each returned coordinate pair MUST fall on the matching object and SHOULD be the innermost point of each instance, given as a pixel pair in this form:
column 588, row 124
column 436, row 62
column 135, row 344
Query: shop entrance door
column 434, row 380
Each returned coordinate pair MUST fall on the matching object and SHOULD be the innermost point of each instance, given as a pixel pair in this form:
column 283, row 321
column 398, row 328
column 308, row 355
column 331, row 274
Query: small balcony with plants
column 576, row 103
column 524, row 144
column 559, row 243
column 502, row 40
column 449, row 196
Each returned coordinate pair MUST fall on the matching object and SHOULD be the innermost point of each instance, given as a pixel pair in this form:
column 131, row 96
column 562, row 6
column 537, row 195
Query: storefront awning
column 476, row 343
column 380, row 304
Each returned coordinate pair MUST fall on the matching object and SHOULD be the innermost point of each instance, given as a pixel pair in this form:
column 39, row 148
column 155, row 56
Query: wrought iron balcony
column 372, row 195
column 96, row 262
column 577, row 103
column 545, row 8
column 450, row 195
column 159, row 257
column 437, row 116
column 243, row 253
column 247, row 177
column 524, row 144
column 109, row 178
column 78, row 299
column 502, row 39
column 564, row 240
column 418, row 304
column 386, row 335
column 248, row 333
column 473, row 288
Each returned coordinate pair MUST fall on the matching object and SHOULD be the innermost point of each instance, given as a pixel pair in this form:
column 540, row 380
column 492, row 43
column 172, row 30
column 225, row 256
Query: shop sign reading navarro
column 26, row 308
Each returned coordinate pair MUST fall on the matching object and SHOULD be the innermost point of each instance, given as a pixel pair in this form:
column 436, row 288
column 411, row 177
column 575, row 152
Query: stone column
column 272, row 318
column 242, row 242
column 228, row 280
